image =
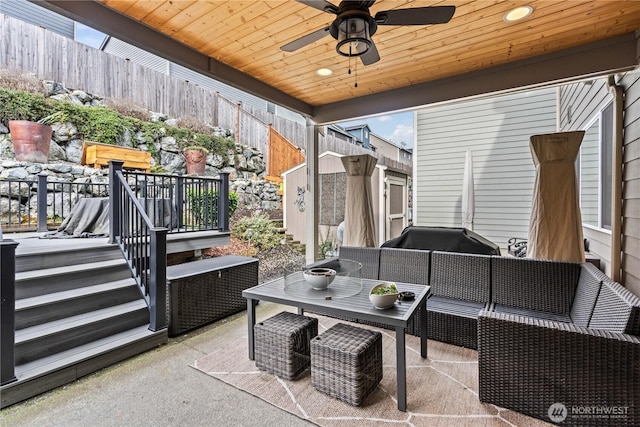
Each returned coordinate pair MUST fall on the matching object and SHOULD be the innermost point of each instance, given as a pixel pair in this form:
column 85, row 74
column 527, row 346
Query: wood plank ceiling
column 247, row 36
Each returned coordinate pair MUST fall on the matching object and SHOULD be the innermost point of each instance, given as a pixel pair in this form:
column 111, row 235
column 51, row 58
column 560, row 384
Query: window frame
column 605, row 152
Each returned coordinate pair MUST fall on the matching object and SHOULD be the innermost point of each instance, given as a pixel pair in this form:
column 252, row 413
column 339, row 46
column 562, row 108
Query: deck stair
column 78, row 310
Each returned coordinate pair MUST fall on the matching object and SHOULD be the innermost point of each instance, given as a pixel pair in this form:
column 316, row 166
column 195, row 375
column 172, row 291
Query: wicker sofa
column 546, row 331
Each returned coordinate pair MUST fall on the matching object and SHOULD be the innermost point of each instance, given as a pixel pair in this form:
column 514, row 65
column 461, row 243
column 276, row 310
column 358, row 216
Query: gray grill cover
column 447, row 239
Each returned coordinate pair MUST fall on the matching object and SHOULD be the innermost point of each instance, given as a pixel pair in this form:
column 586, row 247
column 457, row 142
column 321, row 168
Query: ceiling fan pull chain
column 356, row 73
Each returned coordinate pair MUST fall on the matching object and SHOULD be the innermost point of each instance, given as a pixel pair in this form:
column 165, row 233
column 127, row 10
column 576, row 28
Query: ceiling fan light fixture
column 518, row 14
column 354, row 38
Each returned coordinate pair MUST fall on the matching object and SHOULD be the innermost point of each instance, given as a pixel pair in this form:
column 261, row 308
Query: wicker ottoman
column 346, row 362
column 282, row 344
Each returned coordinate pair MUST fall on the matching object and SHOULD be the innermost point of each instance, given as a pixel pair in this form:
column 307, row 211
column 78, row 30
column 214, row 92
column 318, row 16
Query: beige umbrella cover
column 468, row 198
column 359, row 226
column 555, row 228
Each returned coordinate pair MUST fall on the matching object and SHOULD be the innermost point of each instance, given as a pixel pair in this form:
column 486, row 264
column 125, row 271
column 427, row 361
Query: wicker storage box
column 282, row 344
column 346, row 362
column 204, row 291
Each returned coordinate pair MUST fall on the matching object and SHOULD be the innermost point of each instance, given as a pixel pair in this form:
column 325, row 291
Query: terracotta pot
column 31, row 140
column 196, row 162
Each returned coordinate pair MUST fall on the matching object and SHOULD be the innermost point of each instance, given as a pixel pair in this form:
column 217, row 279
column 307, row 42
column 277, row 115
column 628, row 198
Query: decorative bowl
column 384, row 295
column 319, row 278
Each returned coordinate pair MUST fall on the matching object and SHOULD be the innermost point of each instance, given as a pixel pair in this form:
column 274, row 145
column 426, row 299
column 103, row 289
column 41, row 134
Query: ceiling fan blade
column 305, row 40
column 416, row 16
column 322, row 5
column 371, row 56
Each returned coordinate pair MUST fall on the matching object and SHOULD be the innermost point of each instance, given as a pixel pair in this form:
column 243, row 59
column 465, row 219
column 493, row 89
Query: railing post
column 158, row 280
column 42, row 203
column 180, row 201
column 223, row 202
column 7, row 310
column 143, row 189
column 115, row 200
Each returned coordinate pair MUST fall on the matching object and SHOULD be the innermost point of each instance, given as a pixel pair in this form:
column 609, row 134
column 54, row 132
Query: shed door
column 396, row 208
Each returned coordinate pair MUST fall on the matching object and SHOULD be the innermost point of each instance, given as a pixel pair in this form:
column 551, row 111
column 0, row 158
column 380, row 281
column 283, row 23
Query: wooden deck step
column 39, row 341
column 64, row 367
column 37, row 254
column 57, row 279
column 77, row 310
column 58, row 305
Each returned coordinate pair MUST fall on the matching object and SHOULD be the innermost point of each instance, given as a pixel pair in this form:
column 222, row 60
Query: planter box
column 98, row 155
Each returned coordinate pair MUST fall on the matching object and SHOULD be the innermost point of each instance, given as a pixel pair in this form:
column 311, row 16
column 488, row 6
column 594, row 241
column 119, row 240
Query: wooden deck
column 176, row 242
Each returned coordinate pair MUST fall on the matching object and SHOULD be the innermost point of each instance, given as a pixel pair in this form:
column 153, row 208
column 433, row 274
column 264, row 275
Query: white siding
column 124, row 50
column 37, row 15
column 590, row 176
column 497, row 130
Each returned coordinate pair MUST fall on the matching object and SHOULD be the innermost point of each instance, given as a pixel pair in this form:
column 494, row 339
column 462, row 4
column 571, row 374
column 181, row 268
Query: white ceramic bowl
column 319, row 278
column 382, row 301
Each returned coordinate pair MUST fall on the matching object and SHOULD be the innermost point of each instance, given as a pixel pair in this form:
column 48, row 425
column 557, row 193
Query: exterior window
column 595, row 170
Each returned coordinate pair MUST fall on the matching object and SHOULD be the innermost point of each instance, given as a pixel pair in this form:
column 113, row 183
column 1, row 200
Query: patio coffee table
column 356, row 306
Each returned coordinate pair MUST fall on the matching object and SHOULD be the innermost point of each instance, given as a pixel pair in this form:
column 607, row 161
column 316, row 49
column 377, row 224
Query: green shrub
column 258, row 230
column 205, row 203
column 21, row 105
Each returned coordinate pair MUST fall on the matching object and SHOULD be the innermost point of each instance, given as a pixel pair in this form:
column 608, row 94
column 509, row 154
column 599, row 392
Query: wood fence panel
column 253, row 133
column 283, row 155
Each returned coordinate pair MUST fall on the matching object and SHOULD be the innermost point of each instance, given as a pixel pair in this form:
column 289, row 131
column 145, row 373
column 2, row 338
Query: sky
column 397, row 128
column 88, row 35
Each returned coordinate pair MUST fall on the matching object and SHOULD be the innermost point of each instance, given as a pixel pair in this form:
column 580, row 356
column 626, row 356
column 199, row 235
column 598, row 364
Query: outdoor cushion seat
column 460, row 287
column 550, row 306
column 453, row 321
column 542, row 315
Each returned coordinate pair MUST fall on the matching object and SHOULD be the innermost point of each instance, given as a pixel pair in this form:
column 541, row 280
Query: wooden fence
column 51, row 56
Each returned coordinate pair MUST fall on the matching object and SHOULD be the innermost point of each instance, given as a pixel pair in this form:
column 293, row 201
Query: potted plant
column 31, row 140
column 196, row 159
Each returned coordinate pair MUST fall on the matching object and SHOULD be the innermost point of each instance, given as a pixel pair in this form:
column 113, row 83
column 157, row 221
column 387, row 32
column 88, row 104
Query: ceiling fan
column 354, row 25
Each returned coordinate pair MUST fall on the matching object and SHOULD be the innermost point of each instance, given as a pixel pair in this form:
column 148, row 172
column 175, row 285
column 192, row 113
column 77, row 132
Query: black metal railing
column 143, row 208
column 143, row 244
column 41, row 205
column 183, row 203
column 180, row 203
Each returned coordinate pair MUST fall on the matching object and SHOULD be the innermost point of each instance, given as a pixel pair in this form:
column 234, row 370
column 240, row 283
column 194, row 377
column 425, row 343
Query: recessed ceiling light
column 518, row 13
column 324, row 72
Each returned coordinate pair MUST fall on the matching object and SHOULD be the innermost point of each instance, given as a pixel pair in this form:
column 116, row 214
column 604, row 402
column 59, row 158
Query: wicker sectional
column 547, row 332
column 579, row 355
column 459, row 286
